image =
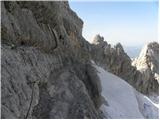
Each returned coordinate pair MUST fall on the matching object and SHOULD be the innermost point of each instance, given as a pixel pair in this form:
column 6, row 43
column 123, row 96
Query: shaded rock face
column 46, row 71
column 115, row 60
column 46, row 63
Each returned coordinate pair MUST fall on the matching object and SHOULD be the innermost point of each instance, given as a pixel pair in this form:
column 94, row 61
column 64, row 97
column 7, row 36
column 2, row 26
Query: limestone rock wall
column 45, row 61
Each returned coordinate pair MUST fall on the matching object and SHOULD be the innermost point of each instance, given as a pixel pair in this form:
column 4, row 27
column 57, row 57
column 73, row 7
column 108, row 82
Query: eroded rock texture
column 46, row 63
column 115, row 60
column 46, row 71
column 148, row 63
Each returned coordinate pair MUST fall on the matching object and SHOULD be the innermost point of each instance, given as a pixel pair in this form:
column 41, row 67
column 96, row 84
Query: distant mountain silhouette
column 132, row 51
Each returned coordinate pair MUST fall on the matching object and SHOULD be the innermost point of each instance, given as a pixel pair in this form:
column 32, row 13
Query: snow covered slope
column 148, row 108
column 123, row 101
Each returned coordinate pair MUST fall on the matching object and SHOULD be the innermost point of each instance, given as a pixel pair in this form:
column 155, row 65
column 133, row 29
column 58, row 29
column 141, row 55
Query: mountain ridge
column 46, row 63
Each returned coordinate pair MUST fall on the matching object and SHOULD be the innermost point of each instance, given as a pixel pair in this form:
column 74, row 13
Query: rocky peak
column 150, row 50
column 115, row 60
column 99, row 40
column 148, row 59
column 46, row 63
column 119, row 48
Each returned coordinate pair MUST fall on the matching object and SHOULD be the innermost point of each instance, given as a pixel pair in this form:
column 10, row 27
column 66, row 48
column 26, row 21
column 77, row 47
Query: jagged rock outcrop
column 148, row 63
column 115, row 60
column 46, row 63
column 148, row 59
column 46, row 71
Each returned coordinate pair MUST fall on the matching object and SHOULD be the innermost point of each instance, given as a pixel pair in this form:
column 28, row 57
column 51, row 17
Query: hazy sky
column 131, row 23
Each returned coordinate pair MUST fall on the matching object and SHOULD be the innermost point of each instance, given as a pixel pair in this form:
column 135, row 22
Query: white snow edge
column 124, row 101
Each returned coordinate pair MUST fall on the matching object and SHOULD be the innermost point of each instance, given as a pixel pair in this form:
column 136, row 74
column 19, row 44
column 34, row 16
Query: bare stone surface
column 42, row 49
column 46, row 63
column 115, row 60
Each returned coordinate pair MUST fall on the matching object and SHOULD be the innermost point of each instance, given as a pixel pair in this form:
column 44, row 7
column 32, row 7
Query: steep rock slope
column 45, row 67
column 148, row 60
column 115, row 60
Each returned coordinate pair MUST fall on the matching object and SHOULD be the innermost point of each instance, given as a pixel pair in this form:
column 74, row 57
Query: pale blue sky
column 131, row 23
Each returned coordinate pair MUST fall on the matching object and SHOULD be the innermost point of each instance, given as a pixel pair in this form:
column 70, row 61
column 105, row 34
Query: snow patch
column 148, row 108
column 123, row 100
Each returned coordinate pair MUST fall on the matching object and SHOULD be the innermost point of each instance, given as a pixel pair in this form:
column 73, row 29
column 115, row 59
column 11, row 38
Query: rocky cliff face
column 46, row 63
column 148, row 63
column 46, row 71
column 115, row 60
column 148, row 59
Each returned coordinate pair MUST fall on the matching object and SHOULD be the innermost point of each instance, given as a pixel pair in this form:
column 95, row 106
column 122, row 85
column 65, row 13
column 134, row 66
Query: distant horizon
column 130, row 23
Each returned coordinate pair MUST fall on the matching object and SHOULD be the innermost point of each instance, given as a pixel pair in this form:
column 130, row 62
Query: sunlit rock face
column 148, row 58
column 148, row 63
column 116, row 60
column 46, row 63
